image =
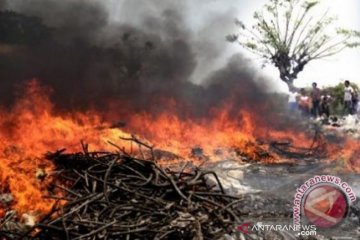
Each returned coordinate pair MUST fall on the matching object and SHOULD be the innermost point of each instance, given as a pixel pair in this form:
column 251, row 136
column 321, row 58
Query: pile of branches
column 117, row 196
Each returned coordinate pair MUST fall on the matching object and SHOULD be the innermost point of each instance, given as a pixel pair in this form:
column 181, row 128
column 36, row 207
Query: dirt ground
column 268, row 193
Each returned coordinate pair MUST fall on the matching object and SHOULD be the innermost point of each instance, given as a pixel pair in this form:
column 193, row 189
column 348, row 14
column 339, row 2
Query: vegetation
column 337, row 96
column 289, row 34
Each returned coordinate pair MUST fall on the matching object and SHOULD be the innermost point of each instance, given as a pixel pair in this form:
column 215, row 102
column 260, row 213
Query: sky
column 211, row 20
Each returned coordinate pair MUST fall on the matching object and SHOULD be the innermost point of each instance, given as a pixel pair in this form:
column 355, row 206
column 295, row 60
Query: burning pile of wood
column 317, row 148
column 117, row 196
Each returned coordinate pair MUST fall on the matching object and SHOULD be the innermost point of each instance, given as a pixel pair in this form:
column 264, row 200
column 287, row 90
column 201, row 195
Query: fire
column 350, row 155
column 32, row 127
column 180, row 136
column 216, row 133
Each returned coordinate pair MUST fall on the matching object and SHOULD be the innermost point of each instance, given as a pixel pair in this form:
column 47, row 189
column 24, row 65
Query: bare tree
column 290, row 33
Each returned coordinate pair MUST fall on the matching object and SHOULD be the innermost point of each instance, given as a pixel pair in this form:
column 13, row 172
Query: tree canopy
column 290, row 33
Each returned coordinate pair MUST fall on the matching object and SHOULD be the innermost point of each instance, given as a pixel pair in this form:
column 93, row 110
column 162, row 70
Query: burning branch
column 115, row 195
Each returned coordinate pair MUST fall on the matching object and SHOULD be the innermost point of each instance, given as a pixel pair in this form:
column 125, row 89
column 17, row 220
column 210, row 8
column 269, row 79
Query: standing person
column 315, row 99
column 348, row 98
column 293, row 101
column 325, row 105
column 304, row 103
column 355, row 101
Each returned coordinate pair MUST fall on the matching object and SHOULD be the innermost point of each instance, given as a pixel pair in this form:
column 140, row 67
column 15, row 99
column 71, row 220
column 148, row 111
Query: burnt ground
column 268, row 192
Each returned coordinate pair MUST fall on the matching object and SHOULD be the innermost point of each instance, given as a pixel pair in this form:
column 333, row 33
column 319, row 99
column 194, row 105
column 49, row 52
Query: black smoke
column 88, row 59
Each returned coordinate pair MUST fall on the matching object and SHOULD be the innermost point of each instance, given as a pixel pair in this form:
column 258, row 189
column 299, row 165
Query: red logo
column 325, row 206
column 244, row 228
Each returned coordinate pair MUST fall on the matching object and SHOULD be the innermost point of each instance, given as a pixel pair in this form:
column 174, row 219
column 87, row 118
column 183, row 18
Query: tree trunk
column 290, row 83
column 291, row 86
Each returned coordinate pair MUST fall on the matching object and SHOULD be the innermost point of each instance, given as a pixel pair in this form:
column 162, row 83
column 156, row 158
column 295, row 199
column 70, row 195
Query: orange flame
column 30, row 130
column 217, row 131
column 32, row 127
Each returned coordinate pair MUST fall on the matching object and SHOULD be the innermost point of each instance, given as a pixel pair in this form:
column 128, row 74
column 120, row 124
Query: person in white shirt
column 348, row 98
column 293, row 101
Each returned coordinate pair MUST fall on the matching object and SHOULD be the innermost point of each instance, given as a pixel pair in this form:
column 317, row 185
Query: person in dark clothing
column 315, row 99
column 325, row 105
column 348, row 98
column 355, row 101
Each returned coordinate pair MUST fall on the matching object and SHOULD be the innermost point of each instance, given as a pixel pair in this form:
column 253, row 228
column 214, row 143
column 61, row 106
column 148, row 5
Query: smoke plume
column 92, row 54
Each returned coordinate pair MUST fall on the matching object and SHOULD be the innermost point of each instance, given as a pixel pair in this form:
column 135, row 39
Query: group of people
column 317, row 103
